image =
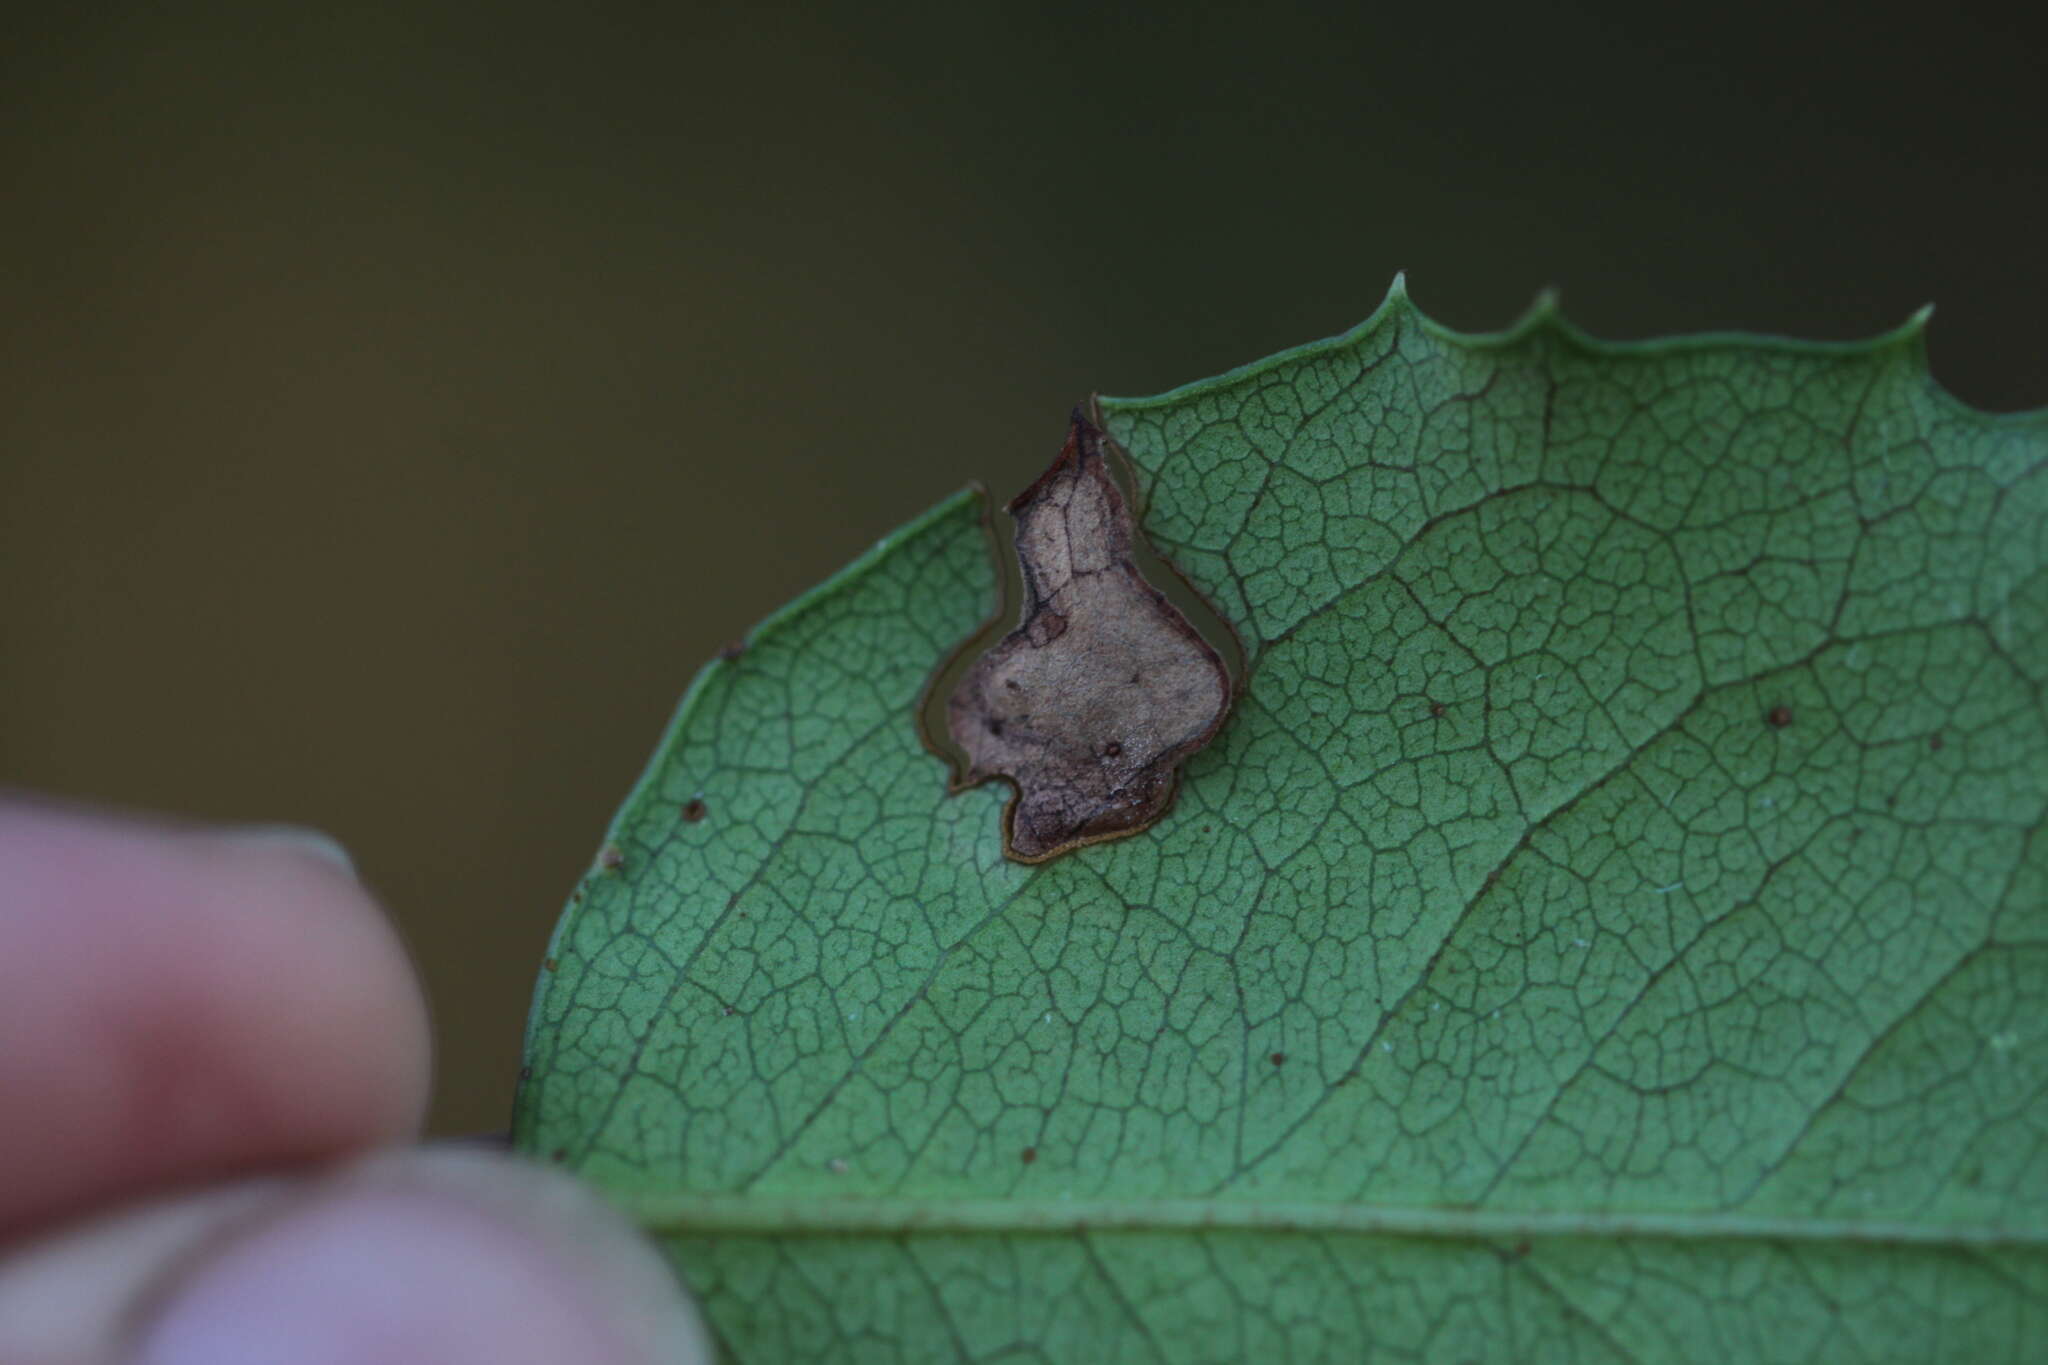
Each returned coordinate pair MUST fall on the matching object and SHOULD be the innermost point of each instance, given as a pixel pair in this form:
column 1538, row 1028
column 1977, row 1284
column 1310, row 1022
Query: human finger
column 447, row 1255
column 180, row 1004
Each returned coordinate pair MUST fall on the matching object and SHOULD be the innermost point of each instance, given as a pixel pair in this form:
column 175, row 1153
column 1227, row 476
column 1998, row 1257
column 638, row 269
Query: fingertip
column 443, row 1255
column 446, row 1257
column 316, row 956
column 186, row 1003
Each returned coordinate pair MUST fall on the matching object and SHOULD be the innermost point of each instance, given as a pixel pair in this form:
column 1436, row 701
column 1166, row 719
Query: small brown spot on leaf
column 732, row 650
column 1437, row 709
column 1278, row 1058
column 547, row 964
column 693, row 810
column 1934, row 744
column 610, row 858
column 1029, row 1155
column 525, row 1073
column 1521, row 1248
column 1034, row 708
column 1046, row 627
column 559, row 1155
column 1779, row 716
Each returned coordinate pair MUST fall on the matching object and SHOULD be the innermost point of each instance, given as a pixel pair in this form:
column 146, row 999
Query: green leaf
column 1613, row 925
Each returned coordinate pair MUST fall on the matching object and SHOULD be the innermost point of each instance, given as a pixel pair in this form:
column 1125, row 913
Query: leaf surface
column 1611, row 926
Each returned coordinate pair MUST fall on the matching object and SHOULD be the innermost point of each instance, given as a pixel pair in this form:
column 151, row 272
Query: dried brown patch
column 1104, row 689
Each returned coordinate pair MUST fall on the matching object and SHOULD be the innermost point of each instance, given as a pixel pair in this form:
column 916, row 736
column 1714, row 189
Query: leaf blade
column 1634, row 813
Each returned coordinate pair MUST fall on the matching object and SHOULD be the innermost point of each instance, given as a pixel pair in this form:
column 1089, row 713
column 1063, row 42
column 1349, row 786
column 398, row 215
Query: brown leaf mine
column 1091, row 705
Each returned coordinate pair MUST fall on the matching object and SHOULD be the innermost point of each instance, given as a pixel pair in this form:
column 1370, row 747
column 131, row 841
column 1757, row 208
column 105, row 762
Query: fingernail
column 298, row 838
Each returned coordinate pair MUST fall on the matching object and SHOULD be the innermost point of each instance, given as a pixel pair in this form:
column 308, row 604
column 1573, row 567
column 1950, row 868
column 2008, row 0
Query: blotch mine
column 1089, row 707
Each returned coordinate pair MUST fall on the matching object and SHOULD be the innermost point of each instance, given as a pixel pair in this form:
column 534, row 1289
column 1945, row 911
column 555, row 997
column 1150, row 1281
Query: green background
column 399, row 406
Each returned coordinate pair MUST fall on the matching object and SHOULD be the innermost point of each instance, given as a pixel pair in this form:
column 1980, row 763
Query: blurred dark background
column 398, row 406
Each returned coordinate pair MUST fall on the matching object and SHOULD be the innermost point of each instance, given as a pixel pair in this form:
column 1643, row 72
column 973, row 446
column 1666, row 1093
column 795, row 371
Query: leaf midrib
column 786, row 1215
